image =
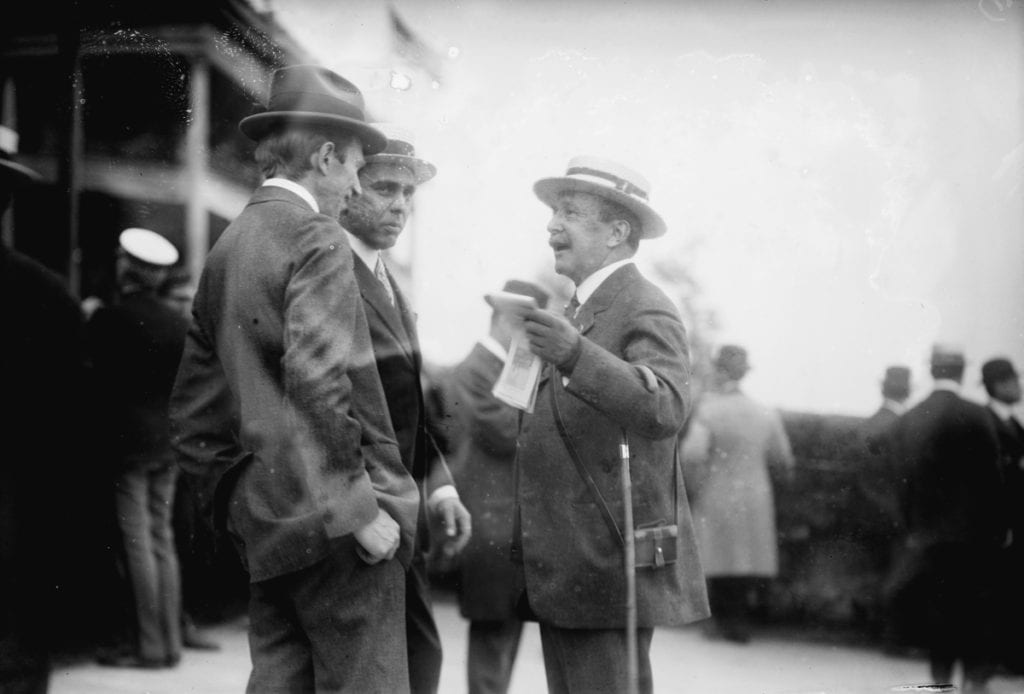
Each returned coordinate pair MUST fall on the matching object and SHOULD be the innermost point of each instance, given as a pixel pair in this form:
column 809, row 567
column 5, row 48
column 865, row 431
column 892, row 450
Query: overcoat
column 264, row 395
column 735, row 511
column 632, row 376
column 483, row 468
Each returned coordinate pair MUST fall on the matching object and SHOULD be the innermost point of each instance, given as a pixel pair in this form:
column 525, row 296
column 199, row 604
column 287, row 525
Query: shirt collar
column 588, row 286
column 494, row 347
column 1002, row 410
column 897, row 407
column 294, row 187
column 360, row 248
column 947, row 384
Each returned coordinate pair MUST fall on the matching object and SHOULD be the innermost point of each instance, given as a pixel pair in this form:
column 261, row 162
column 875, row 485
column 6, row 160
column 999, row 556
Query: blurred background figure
column 734, row 506
column 956, row 526
column 1002, row 383
column 895, row 391
column 135, row 346
column 41, row 369
column 194, row 538
column 880, row 485
column 483, row 469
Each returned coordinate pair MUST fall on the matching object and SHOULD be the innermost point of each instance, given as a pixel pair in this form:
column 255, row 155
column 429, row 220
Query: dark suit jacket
column 1011, row 451
column 136, row 346
column 949, row 449
column 396, row 349
column 265, row 393
column 882, row 481
column 633, row 376
column 483, row 467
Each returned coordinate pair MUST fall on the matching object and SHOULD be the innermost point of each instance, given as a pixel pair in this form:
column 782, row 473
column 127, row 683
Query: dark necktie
column 572, row 307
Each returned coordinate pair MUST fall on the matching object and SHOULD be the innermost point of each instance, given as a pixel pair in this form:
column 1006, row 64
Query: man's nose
column 357, row 189
column 554, row 224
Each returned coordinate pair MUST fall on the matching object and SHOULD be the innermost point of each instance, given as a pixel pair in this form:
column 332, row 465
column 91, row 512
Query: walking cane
column 630, row 547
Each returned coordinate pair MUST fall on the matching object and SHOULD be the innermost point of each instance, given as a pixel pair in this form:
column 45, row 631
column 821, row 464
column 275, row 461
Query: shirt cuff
column 447, row 491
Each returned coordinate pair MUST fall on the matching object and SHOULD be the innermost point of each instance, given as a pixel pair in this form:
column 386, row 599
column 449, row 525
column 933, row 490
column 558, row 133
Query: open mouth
column 558, row 246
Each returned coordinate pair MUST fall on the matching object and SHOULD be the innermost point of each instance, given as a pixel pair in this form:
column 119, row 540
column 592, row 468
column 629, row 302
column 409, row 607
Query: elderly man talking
column 617, row 371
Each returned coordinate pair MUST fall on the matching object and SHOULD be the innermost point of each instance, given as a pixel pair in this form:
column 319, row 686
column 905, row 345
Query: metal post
column 630, row 566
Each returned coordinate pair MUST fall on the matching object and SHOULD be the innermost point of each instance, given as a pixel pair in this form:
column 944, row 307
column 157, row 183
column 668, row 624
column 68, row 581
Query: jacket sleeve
column 331, row 378
column 647, row 389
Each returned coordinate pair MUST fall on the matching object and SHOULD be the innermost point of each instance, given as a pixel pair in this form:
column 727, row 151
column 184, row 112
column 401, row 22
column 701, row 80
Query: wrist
column 569, row 364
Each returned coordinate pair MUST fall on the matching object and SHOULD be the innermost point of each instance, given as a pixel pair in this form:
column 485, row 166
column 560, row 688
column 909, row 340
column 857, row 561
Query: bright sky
column 845, row 181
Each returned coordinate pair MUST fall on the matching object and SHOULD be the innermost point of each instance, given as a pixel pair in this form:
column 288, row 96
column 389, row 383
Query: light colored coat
column 734, row 512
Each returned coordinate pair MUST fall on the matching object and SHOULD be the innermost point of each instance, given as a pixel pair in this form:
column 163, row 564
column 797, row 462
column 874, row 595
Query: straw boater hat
column 147, row 247
column 10, row 170
column 401, row 151
column 314, row 95
column 609, row 180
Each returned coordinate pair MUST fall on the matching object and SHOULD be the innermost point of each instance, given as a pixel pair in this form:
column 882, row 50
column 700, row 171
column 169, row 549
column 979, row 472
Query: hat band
column 399, row 147
column 315, row 103
column 620, row 184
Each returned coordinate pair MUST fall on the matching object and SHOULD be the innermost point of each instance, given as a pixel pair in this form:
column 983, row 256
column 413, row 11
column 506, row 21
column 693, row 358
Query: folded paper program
column 517, row 384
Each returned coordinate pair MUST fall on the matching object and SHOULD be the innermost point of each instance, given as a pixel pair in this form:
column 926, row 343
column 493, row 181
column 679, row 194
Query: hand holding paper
column 517, row 384
column 552, row 338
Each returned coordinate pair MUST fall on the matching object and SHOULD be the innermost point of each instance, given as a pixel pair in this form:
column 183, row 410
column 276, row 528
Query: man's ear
column 620, row 233
column 322, row 157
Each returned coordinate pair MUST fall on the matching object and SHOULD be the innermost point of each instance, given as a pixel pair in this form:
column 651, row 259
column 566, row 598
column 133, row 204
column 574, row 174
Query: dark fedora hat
column 732, row 361
column 526, row 289
column 401, row 151
column 896, row 381
column 11, row 171
column 314, row 95
column 997, row 370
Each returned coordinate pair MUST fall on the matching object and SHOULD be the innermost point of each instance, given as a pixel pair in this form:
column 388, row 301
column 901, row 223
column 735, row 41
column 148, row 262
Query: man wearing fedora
column 41, row 369
column 373, row 222
column 956, row 524
column 1002, row 383
column 278, row 394
column 617, row 367
column 483, row 466
column 735, row 511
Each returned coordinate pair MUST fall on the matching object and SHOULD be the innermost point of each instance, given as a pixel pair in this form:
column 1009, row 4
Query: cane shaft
column 630, row 567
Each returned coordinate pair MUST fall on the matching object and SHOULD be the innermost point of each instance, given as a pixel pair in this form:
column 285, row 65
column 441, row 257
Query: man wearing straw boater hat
column 277, row 392
column 373, row 222
column 616, row 387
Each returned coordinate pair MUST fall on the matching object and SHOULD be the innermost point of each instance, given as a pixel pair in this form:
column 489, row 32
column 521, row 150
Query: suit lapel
column 377, row 300
column 604, row 295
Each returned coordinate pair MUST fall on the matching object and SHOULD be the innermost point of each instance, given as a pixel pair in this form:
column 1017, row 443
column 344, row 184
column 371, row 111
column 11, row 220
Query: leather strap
column 609, row 519
column 606, row 513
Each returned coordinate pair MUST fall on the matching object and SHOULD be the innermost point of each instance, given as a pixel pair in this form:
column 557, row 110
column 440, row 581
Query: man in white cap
column 617, row 368
column 135, row 344
column 956, row 526
column 278, row 395
column 374, row 221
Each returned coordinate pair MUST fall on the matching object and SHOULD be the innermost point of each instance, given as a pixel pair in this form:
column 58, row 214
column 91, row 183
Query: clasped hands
column 552, row 338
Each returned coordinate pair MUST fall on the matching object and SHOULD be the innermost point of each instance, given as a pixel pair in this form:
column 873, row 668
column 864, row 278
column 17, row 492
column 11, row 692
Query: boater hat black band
column 621, row 184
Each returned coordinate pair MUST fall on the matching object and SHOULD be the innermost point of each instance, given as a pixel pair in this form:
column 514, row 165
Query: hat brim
column 18, row 173
column 548, row 190
column 258, row 125
column 422, row 170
